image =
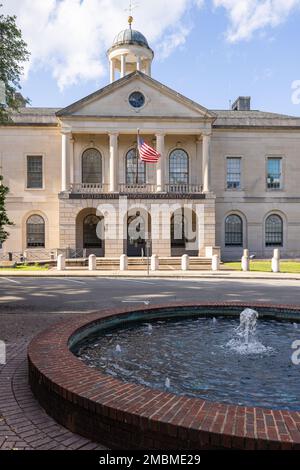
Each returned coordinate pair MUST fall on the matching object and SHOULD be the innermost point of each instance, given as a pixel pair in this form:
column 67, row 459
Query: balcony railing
column 183, row 188
column 85, row 188
column 96, row 188
column 137, row 188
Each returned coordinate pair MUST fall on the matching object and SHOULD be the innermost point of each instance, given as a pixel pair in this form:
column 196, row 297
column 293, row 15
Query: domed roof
column 130, row 36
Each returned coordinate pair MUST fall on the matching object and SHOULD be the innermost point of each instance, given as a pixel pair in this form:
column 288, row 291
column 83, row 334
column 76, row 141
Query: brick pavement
column 23, row 423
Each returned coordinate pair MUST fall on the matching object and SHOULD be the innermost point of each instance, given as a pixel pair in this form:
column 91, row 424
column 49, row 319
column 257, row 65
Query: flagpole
column 137, row 158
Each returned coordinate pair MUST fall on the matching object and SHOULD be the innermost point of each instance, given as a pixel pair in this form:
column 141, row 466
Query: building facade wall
column 16, row 143
column 253, row 201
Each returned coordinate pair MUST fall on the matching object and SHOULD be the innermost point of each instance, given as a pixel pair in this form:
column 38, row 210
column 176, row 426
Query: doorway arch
column 90, row 237
column 183, row 228
column 138, row 233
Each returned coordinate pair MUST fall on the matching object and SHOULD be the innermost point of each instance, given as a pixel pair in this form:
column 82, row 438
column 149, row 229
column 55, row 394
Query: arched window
column 274, row 230
column 135, row 168
column 91, row 166
column 233, row 230
column 179, row 167
column 35, row 232
column 92, row 232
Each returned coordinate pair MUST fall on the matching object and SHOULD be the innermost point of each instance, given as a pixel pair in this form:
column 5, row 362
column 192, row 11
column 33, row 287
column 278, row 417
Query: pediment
column 113, row 102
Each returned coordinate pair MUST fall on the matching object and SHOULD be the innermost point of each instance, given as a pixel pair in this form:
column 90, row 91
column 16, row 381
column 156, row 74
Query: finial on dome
column 130, row 21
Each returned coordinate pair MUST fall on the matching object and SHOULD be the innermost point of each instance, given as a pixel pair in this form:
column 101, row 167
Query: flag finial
column 132, row 6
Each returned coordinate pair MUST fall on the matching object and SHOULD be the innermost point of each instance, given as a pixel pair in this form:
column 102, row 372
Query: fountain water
column 245, row 341
column 118, row 348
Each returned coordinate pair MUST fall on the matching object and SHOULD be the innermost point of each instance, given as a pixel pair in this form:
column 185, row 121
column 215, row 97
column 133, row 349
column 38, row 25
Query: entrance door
column 93, row 235
column 136, row 239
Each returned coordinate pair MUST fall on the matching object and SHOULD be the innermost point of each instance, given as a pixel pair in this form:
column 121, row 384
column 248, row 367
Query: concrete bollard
column 123, row 263
column 215, row 263
column 185, row 262
column 245, row 261
column 276, row 261
column 92, row 263
column 154, row 266
column 61, row 263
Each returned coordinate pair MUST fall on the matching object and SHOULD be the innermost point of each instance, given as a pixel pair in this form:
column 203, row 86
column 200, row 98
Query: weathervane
column 132, row 6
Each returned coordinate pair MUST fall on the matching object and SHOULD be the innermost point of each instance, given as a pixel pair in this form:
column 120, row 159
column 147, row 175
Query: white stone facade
column 107, row 122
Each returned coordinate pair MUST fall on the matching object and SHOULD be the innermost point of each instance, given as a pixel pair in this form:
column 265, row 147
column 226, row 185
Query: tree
column 4, row 220
column 13, row 52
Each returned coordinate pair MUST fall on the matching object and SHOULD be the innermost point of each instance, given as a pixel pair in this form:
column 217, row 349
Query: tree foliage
column 13, row 53
column 4, row 220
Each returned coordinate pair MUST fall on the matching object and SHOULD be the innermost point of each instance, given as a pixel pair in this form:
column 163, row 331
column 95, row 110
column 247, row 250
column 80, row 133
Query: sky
column 211, row 51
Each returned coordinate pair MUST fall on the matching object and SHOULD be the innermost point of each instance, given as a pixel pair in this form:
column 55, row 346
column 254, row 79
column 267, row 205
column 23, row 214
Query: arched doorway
column 90, row 233
column 184, row 233
column 138, row 229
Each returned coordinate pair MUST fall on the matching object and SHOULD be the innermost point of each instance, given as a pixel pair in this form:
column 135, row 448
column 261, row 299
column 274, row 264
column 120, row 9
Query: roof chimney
column 243, row 103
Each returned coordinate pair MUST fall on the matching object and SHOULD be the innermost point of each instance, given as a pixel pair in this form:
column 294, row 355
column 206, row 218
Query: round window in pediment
column 137, row 99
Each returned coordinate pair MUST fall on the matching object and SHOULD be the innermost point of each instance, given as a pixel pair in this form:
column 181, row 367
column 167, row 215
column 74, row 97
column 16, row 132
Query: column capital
column 114, row 134
column 160, row 134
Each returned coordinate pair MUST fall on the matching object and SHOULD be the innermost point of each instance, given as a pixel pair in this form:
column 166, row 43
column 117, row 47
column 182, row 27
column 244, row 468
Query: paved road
column 53, row 295
column 28, row 305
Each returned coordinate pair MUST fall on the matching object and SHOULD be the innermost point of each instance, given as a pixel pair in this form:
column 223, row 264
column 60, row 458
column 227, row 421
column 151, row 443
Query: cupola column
column 139, row 64
column 112, row 70
column 123, row 65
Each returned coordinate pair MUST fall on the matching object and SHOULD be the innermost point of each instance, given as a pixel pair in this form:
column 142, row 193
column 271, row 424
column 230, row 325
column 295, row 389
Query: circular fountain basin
column 179, row 383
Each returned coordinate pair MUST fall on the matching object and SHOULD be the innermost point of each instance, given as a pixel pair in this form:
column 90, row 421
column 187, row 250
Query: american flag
column 147, row 153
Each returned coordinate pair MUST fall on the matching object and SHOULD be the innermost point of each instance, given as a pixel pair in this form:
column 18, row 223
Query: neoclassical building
column 76, row 183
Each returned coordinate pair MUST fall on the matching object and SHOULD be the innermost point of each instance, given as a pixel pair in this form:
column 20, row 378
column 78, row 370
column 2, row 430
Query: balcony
column 183, row 188
column 88, row 188
column 99, row 188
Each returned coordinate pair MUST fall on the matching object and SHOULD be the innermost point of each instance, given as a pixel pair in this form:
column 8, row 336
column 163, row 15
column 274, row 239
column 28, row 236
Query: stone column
column 72, row 162
column 206, row 161
column 148, row 68
column 160, row 177
column 123, row 65
column 199, row 160
column 112, row 70
column 64, row 162
column 113, row 161
column 139, row 64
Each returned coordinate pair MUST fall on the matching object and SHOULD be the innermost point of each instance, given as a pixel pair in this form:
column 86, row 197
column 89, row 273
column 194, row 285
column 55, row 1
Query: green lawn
column 265, row 266
column 26, row 268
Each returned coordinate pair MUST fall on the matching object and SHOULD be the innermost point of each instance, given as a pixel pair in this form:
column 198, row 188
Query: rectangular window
column 274, row 173
column 233, row 173
column 34, row 172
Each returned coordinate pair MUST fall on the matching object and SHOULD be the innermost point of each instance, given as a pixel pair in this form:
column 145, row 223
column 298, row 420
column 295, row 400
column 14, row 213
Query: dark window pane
column 233, row 173
column 135, row 169
column 233, row 231
column 179, row 167
column 34, row 172
column 91, row 166
column 35, row 232
column 274, row 231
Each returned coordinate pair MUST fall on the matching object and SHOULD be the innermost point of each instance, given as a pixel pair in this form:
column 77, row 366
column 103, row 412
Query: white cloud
column 248, row 16
column 70, row 37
